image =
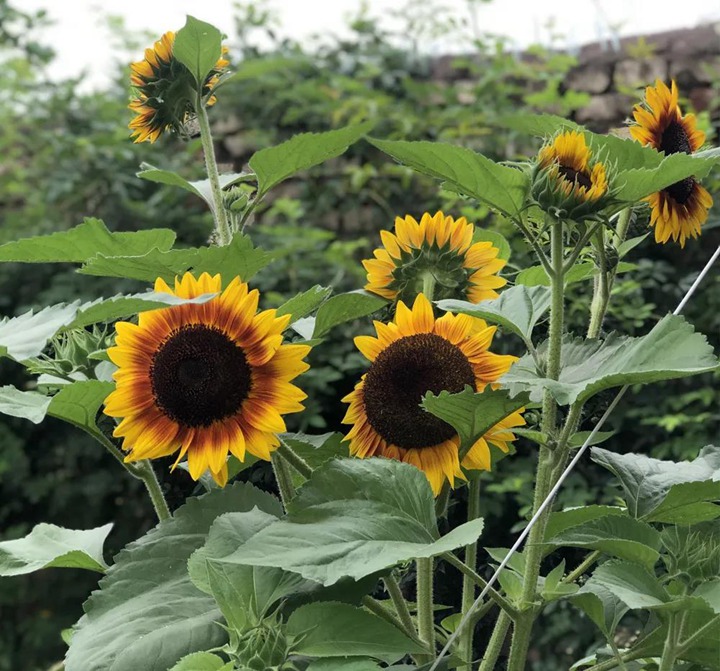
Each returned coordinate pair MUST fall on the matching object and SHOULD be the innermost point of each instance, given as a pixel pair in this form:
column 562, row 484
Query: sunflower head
column 411, row 356
column 164, row 91
column 439, row 248
column 207, row 379
column 678, row 211
column 566, row 180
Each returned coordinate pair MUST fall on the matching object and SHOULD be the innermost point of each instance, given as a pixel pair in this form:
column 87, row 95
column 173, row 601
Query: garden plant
column 316, row 580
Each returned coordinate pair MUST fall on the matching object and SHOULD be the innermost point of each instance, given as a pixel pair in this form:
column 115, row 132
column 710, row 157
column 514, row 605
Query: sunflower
column 439, row 247
column 208, row 379
column 566, row 178
column 409, row 357
column 679, row 210
column 163, row 84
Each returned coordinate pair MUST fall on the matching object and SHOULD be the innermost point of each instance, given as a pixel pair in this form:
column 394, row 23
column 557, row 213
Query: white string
column 561, row 480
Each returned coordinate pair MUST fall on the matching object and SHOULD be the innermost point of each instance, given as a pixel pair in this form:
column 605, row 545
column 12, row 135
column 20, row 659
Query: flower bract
column 411, row 356
column 441, row 247
column 207, row 379
column 679, row 210
column 164, row 90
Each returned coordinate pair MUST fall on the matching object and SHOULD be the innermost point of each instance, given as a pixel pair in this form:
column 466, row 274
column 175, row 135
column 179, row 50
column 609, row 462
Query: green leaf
column 275, row 164
column 626, row 247
column 601, row 606
column 517, row 309
column 49, row 546
column 671, row 350
column 26, row 336
column 120, row 306
column 472, row 414
column 201, row 188
column 202, row 661
column 147, row 614
column 341, row 630
column 536, row 276
column 315, row 450
column 240, row 257
column 634, row 585
column 540, row 125
column 344, row 308
column 355, row 517
column 334, row 664
column 498, row 240
column 304, row 303
column 83, row 242
column 78, row 403
column 464, row 171
column 553, row 587
column 24, row 404
column 578, row 439
column 619, row 536
column 244, row 593
column 566, row 519
column 710, row 593
column 198, row 46
column 666, row 491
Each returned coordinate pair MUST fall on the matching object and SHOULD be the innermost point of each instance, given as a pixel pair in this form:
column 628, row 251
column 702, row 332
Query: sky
column 80, row 36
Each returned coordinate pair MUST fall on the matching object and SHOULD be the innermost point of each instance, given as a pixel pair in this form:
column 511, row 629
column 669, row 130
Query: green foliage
column 202, row 661
column 198, row 46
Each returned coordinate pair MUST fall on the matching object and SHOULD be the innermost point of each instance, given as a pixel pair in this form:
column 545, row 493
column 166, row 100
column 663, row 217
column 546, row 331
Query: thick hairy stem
column 670, row 651
column 468, row 593
column 147, row 474
column 601, row 295
column 615, row 662
column 379, row 608
column 283, row 478
column 295, row 460
column 401, row 608
column 426, row 622
column 496, row 642
column 222, row 224
column 582, row 567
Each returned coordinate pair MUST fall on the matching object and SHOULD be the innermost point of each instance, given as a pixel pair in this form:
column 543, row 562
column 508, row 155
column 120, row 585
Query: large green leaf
column 314, row 450
column 147, row 614
column 202, row 661
column 619, row 536
column 517, row 309
column 601, row 606
column 464, row 171
column 341, row 630
column 563, row 520
column 304, row 303
column 244, row 593
column 535, row 276
column 355, row 517
column 26, row 336
column 24, row 404
column 666, row 491
column 344, row 308
column 240, row 257
column 472, row 414
column 671, row 350
column 198, row 46
column 275, row 164
column 634, row 585
column 83, row 242
column 50, row 546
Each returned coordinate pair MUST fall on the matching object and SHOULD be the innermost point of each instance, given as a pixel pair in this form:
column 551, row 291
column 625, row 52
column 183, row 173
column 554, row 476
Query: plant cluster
column 236, row 579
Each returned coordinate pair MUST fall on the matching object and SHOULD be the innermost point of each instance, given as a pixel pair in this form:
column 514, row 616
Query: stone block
column 589, row 78
column 605, row 110
column 639, row 73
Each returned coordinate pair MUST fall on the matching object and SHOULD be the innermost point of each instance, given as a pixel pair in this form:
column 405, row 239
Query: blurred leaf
column 666, row 491
column 275, row 164
column 580, row 272
column 671, row 350
column 341, row 630
column 50, row 546
column 198, row 46
column 540, row 125
column 147, row 614
column 83, row 242
column 517, row 309
column 344, row 308
column 355, row 517
column 464, row 171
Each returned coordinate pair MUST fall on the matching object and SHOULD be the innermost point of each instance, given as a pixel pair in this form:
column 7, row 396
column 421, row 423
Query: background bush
column 67, row 155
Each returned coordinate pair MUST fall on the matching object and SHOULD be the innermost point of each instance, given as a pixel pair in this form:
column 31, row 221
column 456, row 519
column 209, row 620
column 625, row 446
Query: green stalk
column 401, row 608
column 147, row 474
column 496, row 642
column 546, row 462
column 670, row 652
column 295, row 460
column 601, row 293
column 468, row 593
column 379, row 608
column 426, row 622
column 222, row 225
column 283, row 478
column 615, row 662
column 582, row 567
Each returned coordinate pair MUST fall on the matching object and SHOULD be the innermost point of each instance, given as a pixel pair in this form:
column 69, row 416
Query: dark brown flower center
column 681, row 191
column 575, row 177
column 398, row 379
column 199, row 375
column 675, row 139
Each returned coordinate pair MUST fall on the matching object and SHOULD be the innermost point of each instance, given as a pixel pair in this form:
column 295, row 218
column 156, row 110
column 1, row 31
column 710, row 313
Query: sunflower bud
column 75, row 354
column 565, row 181
column 263, row 648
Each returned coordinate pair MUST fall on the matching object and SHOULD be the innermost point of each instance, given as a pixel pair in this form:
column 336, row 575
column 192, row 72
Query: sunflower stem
column 401, row 608
column 295, row 460
column 222, row 224
column 496, row 642
column 381, row 610
column 147, row 474
column 468, row 591
column 583, row 566
column 529, row 608
column 601, row 293
column 426, row 621
column 283, row 478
